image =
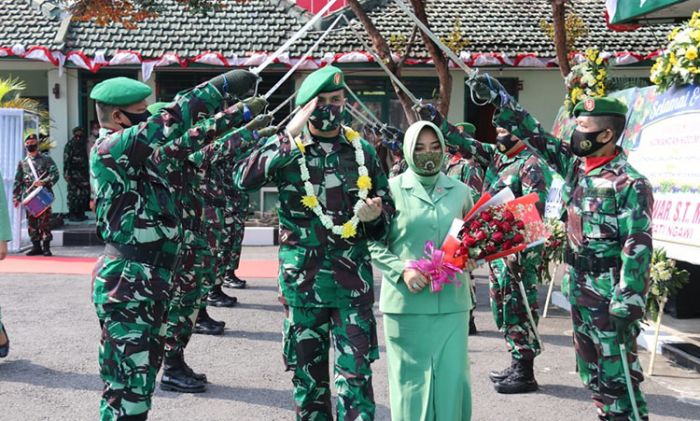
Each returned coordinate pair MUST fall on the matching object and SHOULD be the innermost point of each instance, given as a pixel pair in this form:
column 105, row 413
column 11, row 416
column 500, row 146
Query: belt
column 583, row 263
column 142, row 254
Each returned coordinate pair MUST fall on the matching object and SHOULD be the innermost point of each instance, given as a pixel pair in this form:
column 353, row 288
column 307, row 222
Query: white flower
column 362, row 171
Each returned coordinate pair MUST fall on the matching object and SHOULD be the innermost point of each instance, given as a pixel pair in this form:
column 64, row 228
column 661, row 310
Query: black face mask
column 584, row 144
column 32, row 148
column 137, row 118
column 506, row 142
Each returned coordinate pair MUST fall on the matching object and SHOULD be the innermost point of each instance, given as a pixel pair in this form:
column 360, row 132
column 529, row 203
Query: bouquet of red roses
column 493, row 231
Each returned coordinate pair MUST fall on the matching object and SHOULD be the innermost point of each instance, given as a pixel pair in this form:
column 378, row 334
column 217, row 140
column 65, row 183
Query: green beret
column 469, row 128
column 326, row 79
column 602, row 106
column 120, row 91
column 156, row 107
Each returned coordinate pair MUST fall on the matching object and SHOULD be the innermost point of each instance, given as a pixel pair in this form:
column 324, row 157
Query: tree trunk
column 559, row 22
column 382, row 48
column 438, row 57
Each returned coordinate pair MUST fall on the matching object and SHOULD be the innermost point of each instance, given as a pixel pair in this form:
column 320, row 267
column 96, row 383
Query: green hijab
column 410, row 141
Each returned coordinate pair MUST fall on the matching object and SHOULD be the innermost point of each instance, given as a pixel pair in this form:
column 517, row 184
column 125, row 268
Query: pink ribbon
column 435, row 267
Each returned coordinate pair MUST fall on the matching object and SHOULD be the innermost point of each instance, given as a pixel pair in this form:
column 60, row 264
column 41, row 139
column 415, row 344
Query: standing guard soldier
column 76, row 171
column 34, row 171
column 333, row 200
column 609, row 207
column 141, row 226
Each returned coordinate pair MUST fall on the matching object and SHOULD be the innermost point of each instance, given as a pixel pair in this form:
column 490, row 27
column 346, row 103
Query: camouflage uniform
column 39, row 228
column 609, row 237
column 239, row 202
column 523, row 173
column 135, row 211
column 325, row 281
column 76, row 171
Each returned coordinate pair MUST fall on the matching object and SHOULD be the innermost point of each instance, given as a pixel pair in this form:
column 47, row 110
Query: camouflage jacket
column 467, row 171
column 134, row 203
column 609, row 216
column 45, row 168
column 318, row 268
column 75, row 159
column 523, row 173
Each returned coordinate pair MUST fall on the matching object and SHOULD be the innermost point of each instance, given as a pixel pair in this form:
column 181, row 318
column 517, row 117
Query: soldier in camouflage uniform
column 239, row 201
column 26, row 181
column 76, row 171
column 141, row 226
column 509, row 164
column 609, row 207
column 325, row 278
column 195, row 257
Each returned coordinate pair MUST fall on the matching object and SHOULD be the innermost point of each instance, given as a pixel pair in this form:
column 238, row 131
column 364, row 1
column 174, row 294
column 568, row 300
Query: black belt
column 593, row 264
column 145, row 255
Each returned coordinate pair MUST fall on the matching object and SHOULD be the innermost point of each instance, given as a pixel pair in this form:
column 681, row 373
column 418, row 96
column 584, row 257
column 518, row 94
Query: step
column 684, row 354
column 86, row 235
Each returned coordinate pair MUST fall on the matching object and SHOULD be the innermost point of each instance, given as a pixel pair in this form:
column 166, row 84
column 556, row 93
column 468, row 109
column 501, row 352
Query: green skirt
column 428, row 363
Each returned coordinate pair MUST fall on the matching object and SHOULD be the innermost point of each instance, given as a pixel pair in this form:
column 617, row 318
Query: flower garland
column 679, row 63
column 364, row 183
column 587, row 79
column 666, row 281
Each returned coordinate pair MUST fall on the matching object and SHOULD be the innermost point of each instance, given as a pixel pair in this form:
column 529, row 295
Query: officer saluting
column 609, row 207
column 140, row 224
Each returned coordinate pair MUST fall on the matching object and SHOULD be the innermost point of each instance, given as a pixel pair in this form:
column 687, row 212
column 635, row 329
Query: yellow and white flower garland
column 364, row 183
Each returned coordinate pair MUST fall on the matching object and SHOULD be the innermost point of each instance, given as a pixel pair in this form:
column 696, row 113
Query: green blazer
column 419, row 218
column 5, row 232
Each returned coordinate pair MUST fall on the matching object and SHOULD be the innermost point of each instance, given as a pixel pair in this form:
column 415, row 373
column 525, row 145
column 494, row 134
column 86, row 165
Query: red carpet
column 83, row 266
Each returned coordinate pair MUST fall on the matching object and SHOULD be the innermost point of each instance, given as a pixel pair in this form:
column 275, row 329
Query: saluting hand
column 298, row 122
column 371, row 210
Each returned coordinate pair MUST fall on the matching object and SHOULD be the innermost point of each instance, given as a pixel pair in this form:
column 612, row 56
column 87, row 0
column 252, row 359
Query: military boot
column 497, row 376
column 139, row 417
column 47, row 249
column 233, row 281
column 520, row 380
column 218, row 298
column 176, row 378
column 472, row 325
column 205, row 325
column 36, row 249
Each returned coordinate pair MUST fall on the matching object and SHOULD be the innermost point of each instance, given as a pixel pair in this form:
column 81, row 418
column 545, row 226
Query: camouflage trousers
column 215, row 235
column 194, row 267
column 78, row 195
column 508, row 308
column 229, row 241
column 598, row 358
column 39, row 228
column 238, row 231
column 307, row 337
column 130, row 355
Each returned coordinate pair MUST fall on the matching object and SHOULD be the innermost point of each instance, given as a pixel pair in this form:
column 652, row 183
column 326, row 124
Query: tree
column 10, row 98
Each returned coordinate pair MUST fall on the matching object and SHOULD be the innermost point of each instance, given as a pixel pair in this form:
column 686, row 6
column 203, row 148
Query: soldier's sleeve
column 468, row 147
column 535, row 177
column 634, row 221
column 473, row 176
column 53, row 176
column 5, row 229
column 18, row 186
column 234, row 145
column 378, row 229
column 133, row 145
column 261, row 166
column 67, row 158
column 547, row 147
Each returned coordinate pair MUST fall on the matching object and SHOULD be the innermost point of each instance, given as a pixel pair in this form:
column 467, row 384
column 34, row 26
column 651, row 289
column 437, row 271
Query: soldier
column 609, row 206
column 35, row 170
column 5, row 236
column 333, row 199
column 76, row 171
column 141, row 226
column 509, row 164
column 239, row 202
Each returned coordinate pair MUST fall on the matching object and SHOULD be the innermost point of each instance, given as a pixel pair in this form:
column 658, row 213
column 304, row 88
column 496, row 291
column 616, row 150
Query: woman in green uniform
column 426, row 332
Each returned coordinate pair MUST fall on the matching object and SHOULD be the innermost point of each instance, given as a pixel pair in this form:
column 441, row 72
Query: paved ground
column 51, row 373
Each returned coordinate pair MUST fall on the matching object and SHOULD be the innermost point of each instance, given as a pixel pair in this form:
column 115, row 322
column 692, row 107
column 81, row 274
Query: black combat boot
column 47, row 249
column 5, row 348
column 36, row 249
column 472, row 325
column 497, row 376
column 139, row 417
column 176, row 378
column 205, row 325
column 218, row 298
column 233, row 281
column 521, row 380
